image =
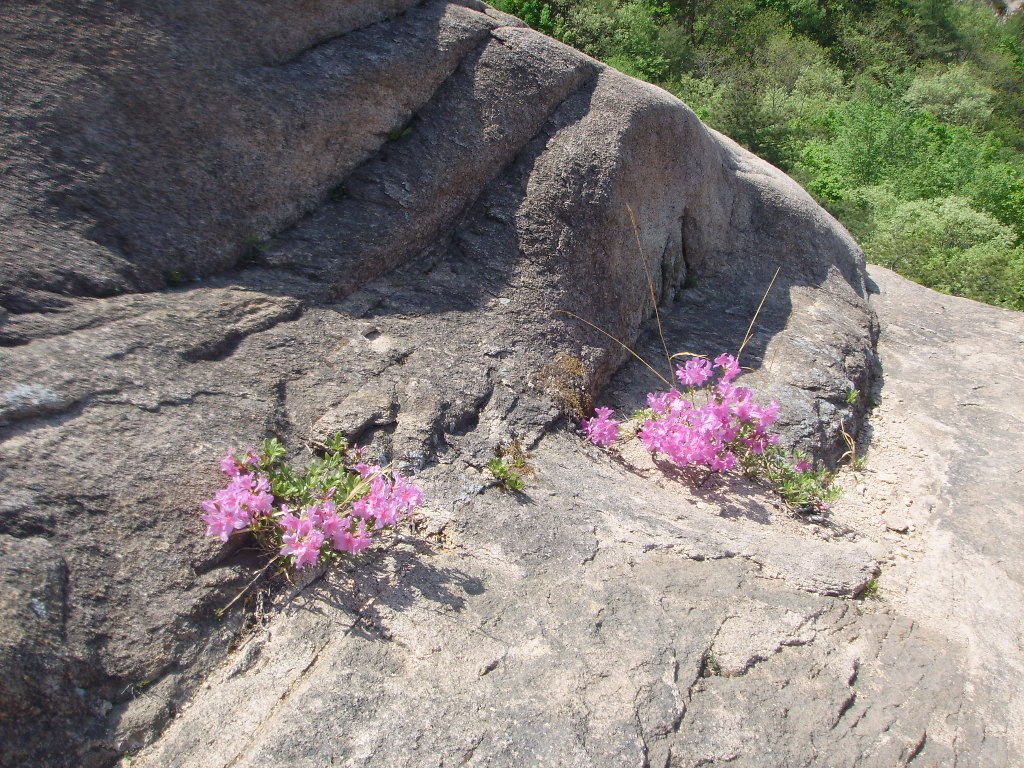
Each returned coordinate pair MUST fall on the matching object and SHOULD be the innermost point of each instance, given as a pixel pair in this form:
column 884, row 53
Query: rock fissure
column 328, row 41
column 381, row 230
column 21, row 421
column 219, row 349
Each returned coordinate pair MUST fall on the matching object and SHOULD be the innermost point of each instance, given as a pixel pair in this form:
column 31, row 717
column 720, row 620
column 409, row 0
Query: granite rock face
column 387, row 219
column 611, row 615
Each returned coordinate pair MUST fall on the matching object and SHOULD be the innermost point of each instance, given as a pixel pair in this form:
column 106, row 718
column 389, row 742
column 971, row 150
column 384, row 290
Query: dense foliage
column 903, row 117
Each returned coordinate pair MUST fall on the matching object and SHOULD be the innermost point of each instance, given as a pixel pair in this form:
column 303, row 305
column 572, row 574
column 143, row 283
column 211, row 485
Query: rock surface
column 636, row 620
column 944, row 489
column 374, row 220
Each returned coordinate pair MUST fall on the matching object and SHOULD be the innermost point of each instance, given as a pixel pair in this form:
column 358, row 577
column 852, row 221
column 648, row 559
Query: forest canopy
column 905, row 118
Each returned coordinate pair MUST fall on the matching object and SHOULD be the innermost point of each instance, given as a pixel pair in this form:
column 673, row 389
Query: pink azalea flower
column 235, row 506
column 217, row 523
column 652, row 434
column 361, row 538
column 379, row 503
column 757, row 444
column 315, row 514
column 303, row 532
column 335, row 527
column 658, row 402
column 229, row 466
column 294, row 526
column 386, row 514
column 602, row 429
column 353, row 540
column 724, row 462
column 767, row 414
column 729, row 365
column 305, row 548
column 361, row 508
column 695, row 372
column 725, row 390
column 367, row 470
column 743, row 409
column 261, row 483
column 406, row 494
column 679, row 405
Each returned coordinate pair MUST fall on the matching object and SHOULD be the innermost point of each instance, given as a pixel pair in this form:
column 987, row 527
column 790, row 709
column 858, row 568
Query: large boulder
column 417, row 224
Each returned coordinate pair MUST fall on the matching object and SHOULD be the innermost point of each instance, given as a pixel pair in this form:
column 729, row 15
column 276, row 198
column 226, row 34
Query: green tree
column 954, row 94
column 950, row 246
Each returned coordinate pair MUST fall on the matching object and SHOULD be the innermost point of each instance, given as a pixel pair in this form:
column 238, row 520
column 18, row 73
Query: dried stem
column 248, row 586
column 750, row 328
column 650, row 286
column 617, row 341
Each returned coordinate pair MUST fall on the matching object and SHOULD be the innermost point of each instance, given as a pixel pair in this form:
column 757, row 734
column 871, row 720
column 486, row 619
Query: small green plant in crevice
column 870, row 590
column 256, row 246
column 175, row 277
column 510, row 466
column 805, row 489
column 852, row 396
column 505, row 474
column 710, row 667
column 399, row 133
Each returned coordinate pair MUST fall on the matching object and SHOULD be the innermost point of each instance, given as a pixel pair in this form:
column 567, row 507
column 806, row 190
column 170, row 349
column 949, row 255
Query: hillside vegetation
column 905, row 118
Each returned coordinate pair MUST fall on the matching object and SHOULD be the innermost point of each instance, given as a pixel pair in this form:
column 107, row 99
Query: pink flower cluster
column 711, row 434
column 602, row 429
column 244, row 499
column 313, row 530
column 306, row 532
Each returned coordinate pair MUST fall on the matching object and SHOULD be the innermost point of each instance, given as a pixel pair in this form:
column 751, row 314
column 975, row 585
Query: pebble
column 898, row 525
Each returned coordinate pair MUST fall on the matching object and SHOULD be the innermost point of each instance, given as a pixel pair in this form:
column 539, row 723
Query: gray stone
column 584, row 629
column 967, row 580
column 157, row 144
